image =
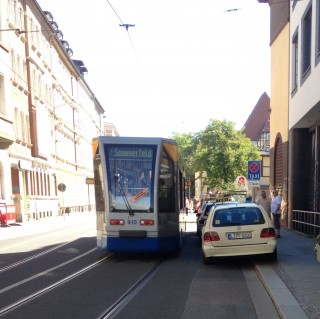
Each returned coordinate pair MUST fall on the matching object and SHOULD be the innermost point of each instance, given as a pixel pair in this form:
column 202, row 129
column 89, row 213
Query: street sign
column 254, row 169
column 254, row 183
column 62, row 187
column 241, row 183
column 89, row 181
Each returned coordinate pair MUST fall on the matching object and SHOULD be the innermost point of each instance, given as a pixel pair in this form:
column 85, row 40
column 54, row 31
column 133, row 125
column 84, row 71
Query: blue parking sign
column 254, row 170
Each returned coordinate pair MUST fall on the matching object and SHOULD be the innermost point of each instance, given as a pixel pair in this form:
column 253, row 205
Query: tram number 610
column 132, row 222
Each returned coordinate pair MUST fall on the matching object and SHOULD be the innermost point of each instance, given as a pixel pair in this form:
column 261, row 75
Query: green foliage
column 219, row 150
column 187, row 145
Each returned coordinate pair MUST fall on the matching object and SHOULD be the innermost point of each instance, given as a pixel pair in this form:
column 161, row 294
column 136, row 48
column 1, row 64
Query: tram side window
column 166, row 185
column 98, row 185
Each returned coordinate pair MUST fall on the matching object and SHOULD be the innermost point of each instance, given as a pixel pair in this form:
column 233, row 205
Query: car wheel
column 273, row 256
column 206, row 260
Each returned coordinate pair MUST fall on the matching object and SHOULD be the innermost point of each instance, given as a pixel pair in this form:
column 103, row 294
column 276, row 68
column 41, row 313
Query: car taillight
column 268, row 233
column 147, row 222
column 116, row 222
column 211, row 236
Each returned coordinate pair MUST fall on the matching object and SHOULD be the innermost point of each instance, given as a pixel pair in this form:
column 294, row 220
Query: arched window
column 278, row 162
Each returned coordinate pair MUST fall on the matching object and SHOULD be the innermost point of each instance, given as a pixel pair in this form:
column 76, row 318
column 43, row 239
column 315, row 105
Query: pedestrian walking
column 276, row 211
column 191, row 206
column 265, row 202
column 194, row 200
column 187, row 205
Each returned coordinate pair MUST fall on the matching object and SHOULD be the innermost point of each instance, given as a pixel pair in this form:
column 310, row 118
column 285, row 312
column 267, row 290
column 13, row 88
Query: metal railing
column 306, row 222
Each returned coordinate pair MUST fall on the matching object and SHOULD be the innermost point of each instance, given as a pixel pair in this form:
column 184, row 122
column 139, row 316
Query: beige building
column 48, row 116
column 279, row 99
column 295, row 111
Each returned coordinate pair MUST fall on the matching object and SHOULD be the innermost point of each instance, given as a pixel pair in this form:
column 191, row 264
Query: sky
column 184, row 63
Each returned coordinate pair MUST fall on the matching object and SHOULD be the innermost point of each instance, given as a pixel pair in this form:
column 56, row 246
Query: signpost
column 254, row 169
column 62, row 188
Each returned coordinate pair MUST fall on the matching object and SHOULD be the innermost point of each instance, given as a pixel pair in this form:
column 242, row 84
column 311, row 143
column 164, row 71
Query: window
column 306, row 43
column 130, row 171
column 2, row 96
column 294, row 61
column 166, row 184
column 238, row 216
column 263, row 144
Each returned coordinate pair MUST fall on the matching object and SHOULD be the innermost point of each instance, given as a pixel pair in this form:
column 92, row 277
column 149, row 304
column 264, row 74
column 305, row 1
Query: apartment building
column 295, row 110
column 304, row 115
column 48, row 116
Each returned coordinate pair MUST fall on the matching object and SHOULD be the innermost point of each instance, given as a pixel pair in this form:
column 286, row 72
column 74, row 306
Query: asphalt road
column 182, row 287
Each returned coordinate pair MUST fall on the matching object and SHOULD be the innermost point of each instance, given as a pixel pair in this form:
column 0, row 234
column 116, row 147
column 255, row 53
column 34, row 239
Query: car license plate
column 239, row 235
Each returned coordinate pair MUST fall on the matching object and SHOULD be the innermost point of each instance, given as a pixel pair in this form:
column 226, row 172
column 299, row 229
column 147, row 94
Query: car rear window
column 238, row 216
column 208, row 207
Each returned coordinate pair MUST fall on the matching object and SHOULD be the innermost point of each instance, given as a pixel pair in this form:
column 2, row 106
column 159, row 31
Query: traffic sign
column 62, row 187
column 254, row 170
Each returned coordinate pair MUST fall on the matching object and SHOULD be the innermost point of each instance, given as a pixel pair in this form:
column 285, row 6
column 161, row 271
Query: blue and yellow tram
column 139, row 191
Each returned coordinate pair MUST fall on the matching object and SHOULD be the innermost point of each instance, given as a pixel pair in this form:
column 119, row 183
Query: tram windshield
column 130, row 171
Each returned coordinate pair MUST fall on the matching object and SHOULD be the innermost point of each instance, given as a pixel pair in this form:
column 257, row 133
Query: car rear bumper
column 210, row 250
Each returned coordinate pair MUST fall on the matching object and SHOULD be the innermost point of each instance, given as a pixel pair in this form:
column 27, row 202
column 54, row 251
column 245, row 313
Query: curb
column 285, row 303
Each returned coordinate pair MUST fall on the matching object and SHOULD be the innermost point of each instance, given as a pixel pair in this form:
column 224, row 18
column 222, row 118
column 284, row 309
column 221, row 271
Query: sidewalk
column 298, row 270
column 43, row 225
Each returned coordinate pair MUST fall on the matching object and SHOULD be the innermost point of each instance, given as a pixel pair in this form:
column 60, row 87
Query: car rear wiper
column 124, row 197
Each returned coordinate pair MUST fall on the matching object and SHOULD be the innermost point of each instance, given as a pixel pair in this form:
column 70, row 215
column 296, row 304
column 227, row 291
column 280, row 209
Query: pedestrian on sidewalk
column 187, row 205
column 265, row 202
column 191, row 206
column 276, row 211
column 248, row 199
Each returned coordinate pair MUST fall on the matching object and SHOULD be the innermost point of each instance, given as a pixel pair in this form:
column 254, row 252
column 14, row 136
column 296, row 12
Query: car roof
column 237, row 204
column 227, row 202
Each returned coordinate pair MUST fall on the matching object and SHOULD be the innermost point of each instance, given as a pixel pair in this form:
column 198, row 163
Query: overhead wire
column 114, row 11
column 127, row 29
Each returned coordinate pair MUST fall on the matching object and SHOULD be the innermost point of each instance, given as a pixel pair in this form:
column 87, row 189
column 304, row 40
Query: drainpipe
column 31, row 107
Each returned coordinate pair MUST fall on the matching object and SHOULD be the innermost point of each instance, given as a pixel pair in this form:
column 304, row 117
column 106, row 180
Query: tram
column 139, row 192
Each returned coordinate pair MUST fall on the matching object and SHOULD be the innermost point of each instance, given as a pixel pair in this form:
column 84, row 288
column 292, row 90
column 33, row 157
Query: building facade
column 304, row 116
column 295, row 110
column 48, row 116
column 279, row 100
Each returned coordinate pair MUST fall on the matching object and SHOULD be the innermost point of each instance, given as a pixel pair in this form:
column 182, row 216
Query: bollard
column 317, row 248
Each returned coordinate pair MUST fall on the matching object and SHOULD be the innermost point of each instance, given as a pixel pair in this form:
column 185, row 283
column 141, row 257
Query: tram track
column 123, row 300
column 45, row 271
column 28, row 259
column 39, row 293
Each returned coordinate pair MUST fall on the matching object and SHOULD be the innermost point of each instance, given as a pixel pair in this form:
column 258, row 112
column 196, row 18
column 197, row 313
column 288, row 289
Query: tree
column 219, row 150
column 223, row 153
column 187, row 146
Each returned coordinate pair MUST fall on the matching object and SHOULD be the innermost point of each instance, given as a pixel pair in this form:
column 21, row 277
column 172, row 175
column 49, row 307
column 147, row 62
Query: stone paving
column 299, row 269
